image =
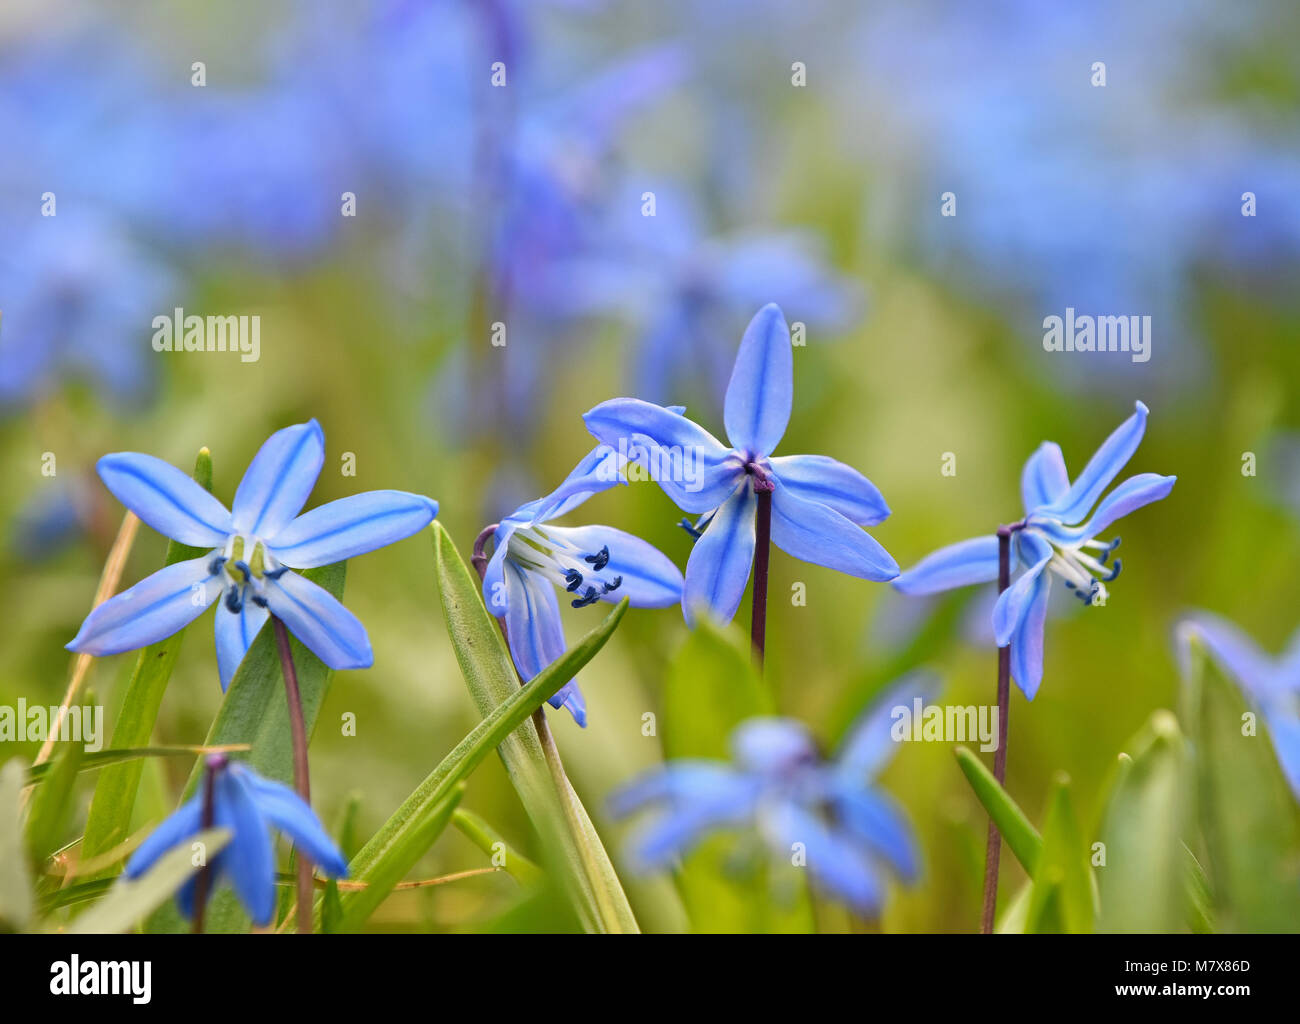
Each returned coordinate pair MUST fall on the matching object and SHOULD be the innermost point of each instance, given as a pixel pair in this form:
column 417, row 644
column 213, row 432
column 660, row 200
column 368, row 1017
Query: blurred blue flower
column 247, row 571
column 248, row 806
column 1272, row 683
column 817, row 503
column 1056, row 537
column 592, row 563
column 780, row 784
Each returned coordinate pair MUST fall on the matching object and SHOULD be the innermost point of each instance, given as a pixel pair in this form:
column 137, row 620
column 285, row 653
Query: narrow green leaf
column 1064, row 904
column 491, row 842
column 51, row 806
column 115, row 790
column 112, row 755
column 15, row 882
column 489, row 673
column 130, row 901
column 1021, row 836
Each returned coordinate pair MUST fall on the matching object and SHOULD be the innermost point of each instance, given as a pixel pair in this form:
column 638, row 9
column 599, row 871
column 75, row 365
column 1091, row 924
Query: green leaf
column 109, row 819
column 389, row 853
column 130, row 901
column 491, row 842
column 112, row 755
column 1063, row 887
column 485, row 663
column 15, row 882
column 51, row 805
column 1248, row 816
column 1142, row 885
column 1021, row 836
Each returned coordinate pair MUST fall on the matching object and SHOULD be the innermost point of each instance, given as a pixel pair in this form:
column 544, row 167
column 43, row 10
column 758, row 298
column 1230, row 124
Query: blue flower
column 247, row 571
column 1056, row 537
column 817, row 503
column 780, row 785
column 1274, row 683
column 247, row 805
column 589, row 563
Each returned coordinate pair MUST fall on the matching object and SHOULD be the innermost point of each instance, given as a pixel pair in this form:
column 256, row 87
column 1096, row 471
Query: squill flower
column 247, row 573
column 248, row 806
column 1057, row 537
column 532, row 558
column 818, row 504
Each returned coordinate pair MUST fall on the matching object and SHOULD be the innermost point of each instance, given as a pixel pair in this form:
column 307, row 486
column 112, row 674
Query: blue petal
column 287, row 811
column 1027, row 643
column 771, row 747
column 1238, row 654
column 822, row 479
column 249, row 859
column 757, row 408
column 351, row 526
column 1101, row 469
column 279, row 480
column 817, row 533
column 1044, row 478
column 718, row 568
column 600, row 469
column 835, row 862
column 692, row 466
column 650, row 579
column 316, row 618
column 182, row 824
column 234, row 634
column 869, row 743
column 878, row 821
column 1132, row 494
column 1285, row 732
column 537, row 634
column 495, row 593
column 957, row 565
column 1014, row 602
column 165, row 498
column 154, row 608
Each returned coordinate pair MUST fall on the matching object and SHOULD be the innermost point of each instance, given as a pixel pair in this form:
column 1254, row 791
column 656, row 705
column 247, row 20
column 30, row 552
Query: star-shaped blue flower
column 247, row 573
column 781, row 785
column 531, row 559
column 247, row 805
column 1057, row 537
column 1273, row 683
column 818, row 504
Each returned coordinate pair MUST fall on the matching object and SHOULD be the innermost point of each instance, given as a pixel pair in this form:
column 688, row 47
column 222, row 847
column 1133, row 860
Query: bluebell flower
column 532, row 559
column 1273, row 683
column 818, row 504
column 248, row 806
column 247, row 571
column 1057, row 537
column 779, row 784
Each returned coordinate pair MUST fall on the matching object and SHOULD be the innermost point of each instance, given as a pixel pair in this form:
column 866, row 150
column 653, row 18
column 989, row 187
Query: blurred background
column 621, row 186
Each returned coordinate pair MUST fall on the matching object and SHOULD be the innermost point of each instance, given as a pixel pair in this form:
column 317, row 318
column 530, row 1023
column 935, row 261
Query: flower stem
column 203, row 883
column 762, row 549
column 993, row 851
column 301, row 771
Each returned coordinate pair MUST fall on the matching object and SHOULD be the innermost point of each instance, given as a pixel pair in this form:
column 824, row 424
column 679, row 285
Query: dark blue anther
column 215, row 565
column 574, row 578
column 599, row 560
column 685, row 524
column 613, row 584
column 259, row 600
column 1119, row 564
column 235, row 599
column 275, row 574
column 590, row 597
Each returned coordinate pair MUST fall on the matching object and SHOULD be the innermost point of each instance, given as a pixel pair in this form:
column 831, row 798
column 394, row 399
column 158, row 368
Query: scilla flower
column 1057, row 537
column 248, row 806
column 818, row 504
column 781, row 785
column 532, row 559
column 246, row 573
column 1274, row 683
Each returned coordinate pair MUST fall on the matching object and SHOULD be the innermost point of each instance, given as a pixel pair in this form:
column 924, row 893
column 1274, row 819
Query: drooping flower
column 1272, row 682
column 818, row 504
column 1057, row 537
column 532, row 558
column 247, row 573
column 248, row 806
column 779, row 784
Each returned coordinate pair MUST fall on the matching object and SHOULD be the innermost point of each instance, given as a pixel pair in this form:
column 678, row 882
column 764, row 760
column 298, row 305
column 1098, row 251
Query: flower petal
column 836, row 863
column 720, row 561
column 759, row 397
column 1255, row 672
column 1285, row 733
column 279, row 480
column 165, row 498
column 600, row 469
column 1044, row 478
column 179, row 826
column 317, row 618
column 351, row 526
column 650, row 579
column 692, row 466
column 287, row 811
column 869, row 743
column 822, row 479
column 957, row 565
column 1102, row 468
column 1014, row 602
column 234, row 634
column 536, row 633
column 249, row 859
column 1132, row 494
column 879, row 822
column 815, row 533
column 154, row 608
column 1027, row 643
